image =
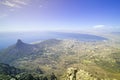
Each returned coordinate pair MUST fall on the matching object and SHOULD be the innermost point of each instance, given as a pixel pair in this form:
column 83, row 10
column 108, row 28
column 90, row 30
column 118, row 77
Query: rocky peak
column 19, row 43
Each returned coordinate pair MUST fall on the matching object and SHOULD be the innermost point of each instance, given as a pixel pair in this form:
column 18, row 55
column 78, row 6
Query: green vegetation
column 8, row 72
column 98, row 60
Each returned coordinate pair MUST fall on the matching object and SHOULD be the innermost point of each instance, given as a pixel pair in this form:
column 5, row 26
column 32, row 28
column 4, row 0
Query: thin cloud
column 10, row 4
column 21, row 2
column 14, row 3
column 98, row 26
column 106, row 28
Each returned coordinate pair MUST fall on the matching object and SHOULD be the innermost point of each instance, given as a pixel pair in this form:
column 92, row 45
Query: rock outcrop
column 79, row 74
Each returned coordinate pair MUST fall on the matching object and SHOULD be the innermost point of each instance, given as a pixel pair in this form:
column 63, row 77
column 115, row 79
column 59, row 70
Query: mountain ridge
column 56, row 56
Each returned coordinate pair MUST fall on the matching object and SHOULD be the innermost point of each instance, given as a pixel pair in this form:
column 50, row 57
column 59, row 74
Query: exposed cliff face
column 71, row 73
column 20, row 43
column 79, row 74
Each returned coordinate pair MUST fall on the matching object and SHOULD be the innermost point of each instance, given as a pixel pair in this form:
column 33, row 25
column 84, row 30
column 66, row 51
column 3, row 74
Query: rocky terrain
column 69, row 59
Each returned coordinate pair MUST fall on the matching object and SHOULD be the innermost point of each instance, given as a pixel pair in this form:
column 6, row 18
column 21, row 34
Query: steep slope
column 16, row 51
column 21, row 49
column 96, row 58
column 8, row 70
column 92, row 57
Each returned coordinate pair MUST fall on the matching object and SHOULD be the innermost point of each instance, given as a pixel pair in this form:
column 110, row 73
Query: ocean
column 10, row 38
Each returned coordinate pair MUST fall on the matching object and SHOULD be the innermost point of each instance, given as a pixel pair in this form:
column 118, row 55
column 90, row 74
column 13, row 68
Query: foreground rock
column 79, row 74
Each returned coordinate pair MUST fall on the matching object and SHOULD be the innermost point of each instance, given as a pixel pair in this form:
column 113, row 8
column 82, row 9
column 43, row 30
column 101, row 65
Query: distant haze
column 28, row 37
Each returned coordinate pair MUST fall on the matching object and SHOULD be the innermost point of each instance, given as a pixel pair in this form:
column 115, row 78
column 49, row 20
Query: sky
column 52, row 15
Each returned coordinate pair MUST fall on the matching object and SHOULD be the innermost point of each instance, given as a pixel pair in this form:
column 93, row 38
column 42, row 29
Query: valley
column 92, row 60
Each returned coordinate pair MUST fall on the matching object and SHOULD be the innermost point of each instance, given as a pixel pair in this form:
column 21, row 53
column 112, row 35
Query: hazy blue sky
column 28, row 15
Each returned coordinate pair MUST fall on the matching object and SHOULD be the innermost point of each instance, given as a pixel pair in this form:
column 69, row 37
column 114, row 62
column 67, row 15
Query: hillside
column 8, row 72
column 97, row 58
